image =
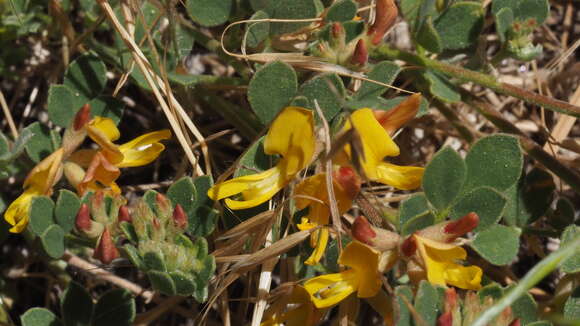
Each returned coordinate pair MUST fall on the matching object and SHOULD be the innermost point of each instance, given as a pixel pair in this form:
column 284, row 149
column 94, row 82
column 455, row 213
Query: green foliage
column 572, row 305
column 210, row 12
column 486, row 202
column 429, row 38
column 52, row 240
column 115, row 307
column 530, row 198
column 257, row 32
column 86, row 76
column 39, row 317
column 328, row 91
column 76, row 306
column 384, row 72
column 341, row 11
column 443, row 179
column 441, row 87
column 572, row 264
column 428, row 303
column 460, row 25
column 271, row 89
column 41, row 211
column 65, row 211
column 497, row 244
column 412, row 207
column 404, row 295
column 291, row 9
column 494, row 161
column 42, row 142
column 10, row 151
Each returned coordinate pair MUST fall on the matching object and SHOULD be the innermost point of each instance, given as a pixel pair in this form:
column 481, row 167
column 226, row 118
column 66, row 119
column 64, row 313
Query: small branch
column 8, row 116
column 386, row 52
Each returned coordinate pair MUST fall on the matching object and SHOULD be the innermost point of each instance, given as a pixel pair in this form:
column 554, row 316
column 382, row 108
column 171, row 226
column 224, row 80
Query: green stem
column 533, row 277
column 386, row 52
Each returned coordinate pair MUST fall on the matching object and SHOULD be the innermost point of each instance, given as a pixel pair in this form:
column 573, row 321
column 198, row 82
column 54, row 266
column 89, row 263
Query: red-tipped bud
column 179, row 217
column 163, row 204
column 396, row 117
column 409, row 246
column 106, row 251
column 348, row 180
column 156, row 223
column 124, row 215
column 361, row 54
column 446, row 319
column 462, row 225
column 337, row 30
column 450, row 299
column 82, row 117
column 83, row 219
column 516, row 322
column 386, row 16
column 362, row 230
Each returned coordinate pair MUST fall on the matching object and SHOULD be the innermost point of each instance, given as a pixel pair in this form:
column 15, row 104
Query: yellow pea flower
column 291, row 136
column 312, row 192
column 39, row 182
column 438, row 254
column 295, row 309
column 441, row 263
column 103, row 165
column 376, row 145
column 363, row 277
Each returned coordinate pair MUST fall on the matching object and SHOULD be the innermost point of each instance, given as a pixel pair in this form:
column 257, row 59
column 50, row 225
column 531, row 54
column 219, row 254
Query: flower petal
column 468, row 278
column 328, row 290
column 100, row 170
column 255, row 188
column 400, row 177
column 45, row 174
column 376, row 142
column 365, row 261
column 292, row 136
column 143, row 149
column 17, row 213
column 103, row 132
column 106, row 127
column 320, row 247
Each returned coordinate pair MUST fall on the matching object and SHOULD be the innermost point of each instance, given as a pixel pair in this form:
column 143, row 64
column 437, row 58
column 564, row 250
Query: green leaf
column 416, row 11
column 42, row 142
column 524, row 9
column 39, row 317
column 486, row 202
column 524, row 308
column 260, row 4
column 63, row 104
column 460, row 25
column 404, row 295
column 443, row 178
column 291, row 9
column 76, row 305
column 129, row 231
column 504, row 19
column 154, row 261
column 86, row 76
column 202, row 278
column 428, row 303
column 41, row 212
column 202, row 220
column 107, row 107
column 572, row 264
column 413, row 206
column 133, row 255
column 210, row 12
column 384, row 72
column 429, row 38
column 184, row 285
column 4, row 147
column 257, row 32
column 380, row 103
column 529, row 198
column 162, row 282
column 417, row 223
column 271, row 89
column 254, row 160
column 328, row 90
column 492, row 290
column 563, row 215
column 497, row 244
column 52, row 240
column 572, row 305
column 441, row 87
column 116, row 307
column 183, row 192
column 66, row 209
column 495, row 161
column 341, row 11
column 19, row 145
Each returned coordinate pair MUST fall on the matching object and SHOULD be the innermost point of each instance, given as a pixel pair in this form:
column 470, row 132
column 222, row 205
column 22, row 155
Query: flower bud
column 385, row 18
column 348, row 180
column 337, row 36
column 179, row 217
column 516, row 322
column 124, row 215
column 462, row 226
column 83, row 219
column 361, row 54
column 75, row 134
column 106, row 251
column 446, row 319
column 164, row 206
column 379, row 239
column 73, row 173
column 82, row 117
column 99, row 207
column 409, row 246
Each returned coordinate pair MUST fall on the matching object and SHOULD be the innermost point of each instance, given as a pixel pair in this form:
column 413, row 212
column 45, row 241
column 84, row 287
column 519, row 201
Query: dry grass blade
column 247, row 226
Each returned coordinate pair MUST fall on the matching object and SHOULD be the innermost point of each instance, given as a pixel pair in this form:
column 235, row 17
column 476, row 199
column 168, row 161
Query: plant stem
column 533, row 277
column 386, row 52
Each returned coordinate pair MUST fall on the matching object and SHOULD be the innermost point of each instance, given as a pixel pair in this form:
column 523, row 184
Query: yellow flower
column 440, row 261
column 376, row 145
column 312, row 192
column 363, row 277
column 294, row 310
column 39, row 182
column 291, row 136
column 103, row 165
